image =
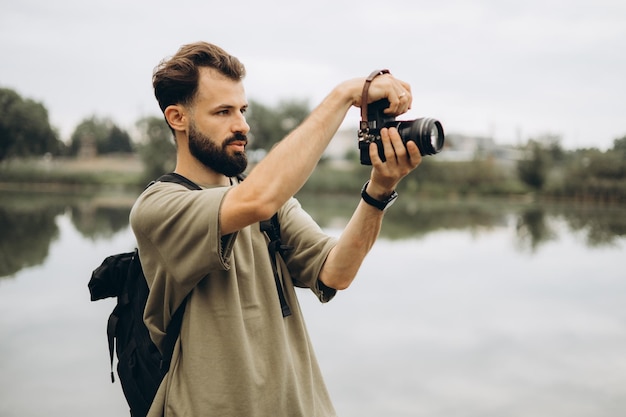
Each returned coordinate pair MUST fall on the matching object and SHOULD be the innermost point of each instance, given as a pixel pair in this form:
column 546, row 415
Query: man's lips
column 240, row 145
column 237, row 141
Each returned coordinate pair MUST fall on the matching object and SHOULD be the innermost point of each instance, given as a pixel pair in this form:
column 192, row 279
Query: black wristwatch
column 380, row 205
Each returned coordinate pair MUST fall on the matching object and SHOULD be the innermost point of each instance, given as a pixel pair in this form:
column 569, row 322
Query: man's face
column 218, row 128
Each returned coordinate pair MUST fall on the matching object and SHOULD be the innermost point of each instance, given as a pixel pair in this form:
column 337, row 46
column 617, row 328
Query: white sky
column 507, row 69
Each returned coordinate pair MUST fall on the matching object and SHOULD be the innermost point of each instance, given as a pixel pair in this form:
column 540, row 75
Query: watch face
column 391, row 200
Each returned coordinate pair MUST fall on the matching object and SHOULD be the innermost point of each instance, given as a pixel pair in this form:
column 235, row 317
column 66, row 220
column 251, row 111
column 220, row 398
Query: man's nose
column 241, row 125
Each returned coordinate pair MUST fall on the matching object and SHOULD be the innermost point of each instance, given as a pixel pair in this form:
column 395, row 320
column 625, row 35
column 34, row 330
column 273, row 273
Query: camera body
column 427, row 133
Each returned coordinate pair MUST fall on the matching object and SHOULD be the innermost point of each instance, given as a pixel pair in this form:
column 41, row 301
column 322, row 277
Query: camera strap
column 364, row 97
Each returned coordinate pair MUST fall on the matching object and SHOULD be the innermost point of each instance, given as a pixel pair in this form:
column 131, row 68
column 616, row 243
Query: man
column 238, row 353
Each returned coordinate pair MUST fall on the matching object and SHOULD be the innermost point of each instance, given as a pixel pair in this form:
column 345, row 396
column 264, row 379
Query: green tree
column 533, row 170
column 619, row 145
column 588, row 165
column 104, row 134
column 24, row 127
column 544, row 157
column 118, row 142
column 268, row 125
column 156, row 149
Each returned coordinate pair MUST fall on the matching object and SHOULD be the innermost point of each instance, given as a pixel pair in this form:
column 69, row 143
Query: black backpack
column 141, row 366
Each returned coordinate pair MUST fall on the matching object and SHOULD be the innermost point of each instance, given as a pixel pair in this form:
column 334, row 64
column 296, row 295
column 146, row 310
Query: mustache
column 237, row 137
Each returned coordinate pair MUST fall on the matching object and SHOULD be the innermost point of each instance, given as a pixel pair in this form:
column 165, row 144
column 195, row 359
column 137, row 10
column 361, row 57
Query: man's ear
column 176, row 116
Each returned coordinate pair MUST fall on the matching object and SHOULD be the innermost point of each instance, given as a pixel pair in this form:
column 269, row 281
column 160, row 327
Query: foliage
column 619, row 145
column 478, row 175
column 546, row 168
column 24, row 127
column 435, row 178
column 156, row 149
column 105, row 135
column 591, row 174
column 533, row 170
column 582, row 174
column 269, row 125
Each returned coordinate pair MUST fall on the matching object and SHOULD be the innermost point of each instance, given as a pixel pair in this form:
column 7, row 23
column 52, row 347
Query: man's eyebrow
column 229, row 106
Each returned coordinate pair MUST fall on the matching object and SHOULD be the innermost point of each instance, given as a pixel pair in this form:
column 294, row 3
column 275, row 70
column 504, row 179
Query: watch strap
column 380, row 205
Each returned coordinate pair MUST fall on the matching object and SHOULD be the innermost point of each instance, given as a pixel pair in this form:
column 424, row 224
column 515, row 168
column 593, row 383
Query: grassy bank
column 433, row 179
column 63, row 174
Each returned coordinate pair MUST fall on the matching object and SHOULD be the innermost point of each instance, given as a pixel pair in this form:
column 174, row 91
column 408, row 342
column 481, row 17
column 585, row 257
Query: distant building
column 459, row 147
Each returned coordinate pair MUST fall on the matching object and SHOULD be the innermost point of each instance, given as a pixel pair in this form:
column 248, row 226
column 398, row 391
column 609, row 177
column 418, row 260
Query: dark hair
column 175, row 80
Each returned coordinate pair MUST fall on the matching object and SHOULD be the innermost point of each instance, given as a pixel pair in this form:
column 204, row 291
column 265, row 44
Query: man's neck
column 194, row 170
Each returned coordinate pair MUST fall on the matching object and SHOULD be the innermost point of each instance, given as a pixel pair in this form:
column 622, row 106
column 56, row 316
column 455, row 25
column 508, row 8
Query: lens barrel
column 427, row 134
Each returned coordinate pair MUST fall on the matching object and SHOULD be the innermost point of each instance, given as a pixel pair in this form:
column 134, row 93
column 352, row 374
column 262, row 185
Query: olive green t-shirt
column 237, row 355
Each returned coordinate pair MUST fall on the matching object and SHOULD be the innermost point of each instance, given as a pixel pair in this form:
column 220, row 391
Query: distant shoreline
column 125, row 174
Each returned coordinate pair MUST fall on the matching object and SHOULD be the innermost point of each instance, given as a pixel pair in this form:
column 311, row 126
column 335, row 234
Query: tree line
column 25, row 131
column 544, row 166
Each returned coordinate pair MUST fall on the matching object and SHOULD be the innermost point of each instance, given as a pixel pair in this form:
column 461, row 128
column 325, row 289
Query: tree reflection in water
column 28, row 220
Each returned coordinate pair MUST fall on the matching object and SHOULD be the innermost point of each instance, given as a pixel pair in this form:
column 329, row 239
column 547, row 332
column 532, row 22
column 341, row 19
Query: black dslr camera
column 425, row 132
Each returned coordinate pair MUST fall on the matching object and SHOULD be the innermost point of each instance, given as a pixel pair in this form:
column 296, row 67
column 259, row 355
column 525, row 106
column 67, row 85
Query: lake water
column 463, row 308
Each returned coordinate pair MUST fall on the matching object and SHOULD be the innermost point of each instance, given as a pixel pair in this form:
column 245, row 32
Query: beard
column 217, row 158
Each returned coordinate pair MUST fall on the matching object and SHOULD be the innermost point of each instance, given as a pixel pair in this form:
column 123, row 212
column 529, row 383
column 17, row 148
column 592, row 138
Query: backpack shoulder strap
column 271, row 227
column 173, row 328
column 178, row 179
column 171, row 335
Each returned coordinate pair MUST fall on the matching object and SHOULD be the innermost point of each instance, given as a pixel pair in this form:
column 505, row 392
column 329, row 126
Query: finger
column 387, row 150
column 406, row 88
column 415, row 156
column 398, row 145
column 374, row 155
column 400, row 100
column 390, row 145
column 409, row 95
column 395, row 98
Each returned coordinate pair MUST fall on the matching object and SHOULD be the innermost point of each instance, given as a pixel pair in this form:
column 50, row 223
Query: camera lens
column 426, row 133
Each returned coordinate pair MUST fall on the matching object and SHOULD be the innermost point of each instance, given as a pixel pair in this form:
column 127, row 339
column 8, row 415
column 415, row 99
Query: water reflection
column 533, row 229
column 535, row 223
column 600, row 227
column 28, row 220
column 25, row 238
column 95, row 221
column 488, row 306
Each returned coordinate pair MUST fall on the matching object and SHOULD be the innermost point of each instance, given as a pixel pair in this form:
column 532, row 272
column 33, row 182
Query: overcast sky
column 507, row 69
